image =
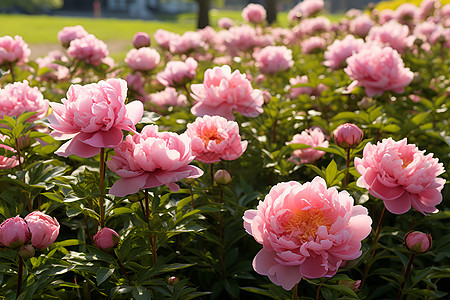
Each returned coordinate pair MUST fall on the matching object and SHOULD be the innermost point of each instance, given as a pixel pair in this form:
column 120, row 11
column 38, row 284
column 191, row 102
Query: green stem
column 11, row 70
column 122, row 268
column 211, row 170
column 405, row 278
column 192, row 196
column 318, row 292
column 295, row 292
column 347, row 169
column 19, row 277
column 102, row 188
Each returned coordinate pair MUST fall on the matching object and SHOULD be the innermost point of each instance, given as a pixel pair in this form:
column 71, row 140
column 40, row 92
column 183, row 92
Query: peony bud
column 141, row 39
column 106, row 239
column 222, row 177
column 348, row 136
column 14, row 232
column 43, row 228
column 417, row 241
column 173, row 280
column 26, row 251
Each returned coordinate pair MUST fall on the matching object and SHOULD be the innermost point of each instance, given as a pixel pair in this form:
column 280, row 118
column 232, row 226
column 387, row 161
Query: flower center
column 305, row 223
column 211, row 134
column 406, row 161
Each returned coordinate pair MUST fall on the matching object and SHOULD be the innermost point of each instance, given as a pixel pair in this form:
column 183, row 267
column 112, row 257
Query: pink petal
column 128, row 186
column 248, row 217
column 77, row 147
column 105, row 139
column 383, row 192
column 312, row 267
column 400, row 205
column 135, row 110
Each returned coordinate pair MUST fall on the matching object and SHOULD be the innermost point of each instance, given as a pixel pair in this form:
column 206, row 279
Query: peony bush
column 241, row 161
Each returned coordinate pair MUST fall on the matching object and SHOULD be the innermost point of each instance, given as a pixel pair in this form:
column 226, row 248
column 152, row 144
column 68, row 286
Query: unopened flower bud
column 222, row 177
column 14, row 232
column 417, row 241
column 106, row 239
column 354, row 285
column 26, row 251
column 173, row 280
column 348, row 136
column 141, row 39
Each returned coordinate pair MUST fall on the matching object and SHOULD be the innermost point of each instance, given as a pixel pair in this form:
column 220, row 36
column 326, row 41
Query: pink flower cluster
column 307, row 231
column 313, row 44
column 178, row 73
column 18, row 97
column 168, row 97
column 189, row 41
column 13, row 50
column 215, row 138
column 361, row 25
column 377, row 70
column 150, row 159
column 390, row 34
column 254, row 13
column 223, row 92
column 401, row 175
column 143, row 59
column 313, row 137
column 305, row 9
column 70, row 33
column 273, row 59
column 88, row 49
column 340, row 50
column 93, row 117
column 56, row 72
column 38, row 228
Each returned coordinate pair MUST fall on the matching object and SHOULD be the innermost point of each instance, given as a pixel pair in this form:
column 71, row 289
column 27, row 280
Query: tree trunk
column 271, row 9
column 203, row 13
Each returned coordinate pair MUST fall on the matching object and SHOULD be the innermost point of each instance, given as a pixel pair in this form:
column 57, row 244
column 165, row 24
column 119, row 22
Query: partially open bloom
column 223, row 92
column 142, row 59
column 178, row 73
column 14, row 232
column 70, row 33
column 13, row 50
column 417, row 241
column 305, row 9
column 378, row 70
column 55, row 71
column 401, row 175
column 309, row 27
column 222, row 177
column 294, row 92
column 190, row 40
column 88, row 49
column 406, row 13
column 7, row 162
column 225, row 23
column 93, row 116
column 392, row 34
column 18, row 97
column 273, row 59
column 141, row 39
column 215, row 138
column 361, row 25
column 163, row 38
column 313, row 45
column 254, row 13
column 307, row 231
column 168, row 97
column 313, row 137
column 152, row 159
column 106, row 239
column 43, row 228
column 239, row 38
column 340, row 50
column 348, row 136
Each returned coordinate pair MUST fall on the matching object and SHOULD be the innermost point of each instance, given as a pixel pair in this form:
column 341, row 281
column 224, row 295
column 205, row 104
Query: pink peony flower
column 254, row 13
column 386, row 15
column 406, row 13
column 44, row 229
column 225, row 23
column 401, row 175
column 106, row 239
column 136, row 85
column 142, row 59
column 13, row 50
column 425, row 30
column 141, row 39
column 305, row 9
column 313, row 44
column 93, row 116
column 340, row 50
column 361, row 25
column 294, row 92
column 18, row 97
column 70, row 33
column 56, row 72
column 163, row 38
column 313, row 137
column 178, row 73
column 239, row 39
column 273, row 59
column 418, row 242
column 427, row 8
column 88, row 49
column 307, row 231
column 309, row 27
column 348, row 136
column 391, row 34
column 152, row 159
column 168, row 97
column 378, row 70
column 189, row 41
column 215, row 138
column 223, row 92
column 14, row 233
column 7, row 162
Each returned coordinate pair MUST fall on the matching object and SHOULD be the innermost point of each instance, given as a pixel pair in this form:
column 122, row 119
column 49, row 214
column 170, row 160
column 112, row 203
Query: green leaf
column 330, row 172
column 122, row 210
column 103, row 274
column 141, row 293
column 343, row 290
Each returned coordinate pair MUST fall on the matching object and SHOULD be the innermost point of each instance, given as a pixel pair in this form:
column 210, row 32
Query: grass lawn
column 40, row 31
